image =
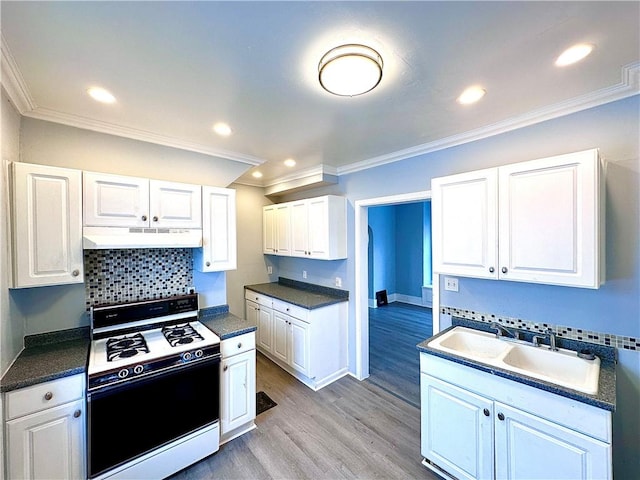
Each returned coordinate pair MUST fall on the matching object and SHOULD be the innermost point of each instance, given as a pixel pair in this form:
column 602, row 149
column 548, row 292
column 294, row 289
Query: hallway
column 394, row 362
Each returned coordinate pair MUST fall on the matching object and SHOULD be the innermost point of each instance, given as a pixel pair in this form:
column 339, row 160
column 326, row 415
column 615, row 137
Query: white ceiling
column 176, row 68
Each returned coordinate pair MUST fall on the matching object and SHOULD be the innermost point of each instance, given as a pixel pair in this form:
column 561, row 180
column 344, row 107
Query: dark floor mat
column 263, row 403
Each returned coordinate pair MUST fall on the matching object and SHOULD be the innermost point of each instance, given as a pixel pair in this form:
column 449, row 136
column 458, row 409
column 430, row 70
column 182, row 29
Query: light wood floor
column 349, row 429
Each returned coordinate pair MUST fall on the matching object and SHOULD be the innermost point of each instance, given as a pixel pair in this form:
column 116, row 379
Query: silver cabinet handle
column 208, row 264
column 491, row 269
column 144, row 218
column 240, row 345
column 501, row 416
column 225, row 368
column 155, row 219
column 504, row 269
column 77, row 413
column 75, row 273
column 48, row 396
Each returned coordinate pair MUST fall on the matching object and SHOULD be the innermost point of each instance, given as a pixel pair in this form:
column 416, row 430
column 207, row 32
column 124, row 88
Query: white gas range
column 149, row 360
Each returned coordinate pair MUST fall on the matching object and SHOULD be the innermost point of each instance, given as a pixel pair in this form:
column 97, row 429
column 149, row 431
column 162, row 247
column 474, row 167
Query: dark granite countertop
column 224, row 324
column 48, row 357
column 305, row 295
column 605, row 398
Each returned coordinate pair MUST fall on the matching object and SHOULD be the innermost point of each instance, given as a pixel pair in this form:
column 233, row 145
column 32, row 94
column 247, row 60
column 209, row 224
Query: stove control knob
column 138, row 369
column 198, row 353
column 124, row 373
column 186, row 356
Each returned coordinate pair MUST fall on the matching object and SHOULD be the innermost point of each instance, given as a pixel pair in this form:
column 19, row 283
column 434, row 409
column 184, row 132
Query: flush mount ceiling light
column 101, row 95
column 574, row 54
column 256, row 174
column 350, row 70
column 290, row 162
column 471, row 95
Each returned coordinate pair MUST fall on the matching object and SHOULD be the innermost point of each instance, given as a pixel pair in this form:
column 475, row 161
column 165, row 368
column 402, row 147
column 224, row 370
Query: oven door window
column 133, row 418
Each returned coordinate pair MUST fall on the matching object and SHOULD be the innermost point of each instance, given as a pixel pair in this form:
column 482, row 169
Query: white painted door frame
column 362, row 275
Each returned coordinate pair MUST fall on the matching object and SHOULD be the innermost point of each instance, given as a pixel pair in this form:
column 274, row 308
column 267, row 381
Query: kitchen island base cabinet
column 475, row 425
column 45, row 430
column 238, row 386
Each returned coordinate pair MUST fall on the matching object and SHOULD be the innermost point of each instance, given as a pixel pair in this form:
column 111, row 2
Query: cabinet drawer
column 44, row 395
column 258, row 298
column 240, row 344
column 291, row 310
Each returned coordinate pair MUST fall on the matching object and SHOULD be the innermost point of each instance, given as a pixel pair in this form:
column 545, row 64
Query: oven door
column 137, row 416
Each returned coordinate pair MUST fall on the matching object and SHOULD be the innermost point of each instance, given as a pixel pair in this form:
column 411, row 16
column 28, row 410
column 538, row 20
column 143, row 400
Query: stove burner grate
column 126, row 347
column 181, row 334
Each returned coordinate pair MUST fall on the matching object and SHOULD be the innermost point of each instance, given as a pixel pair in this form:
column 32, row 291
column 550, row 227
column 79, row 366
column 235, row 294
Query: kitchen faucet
column 505, row 332
column 552, row 340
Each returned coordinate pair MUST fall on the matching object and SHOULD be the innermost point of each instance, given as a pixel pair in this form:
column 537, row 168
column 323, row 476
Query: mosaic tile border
column 572, row 333
column 130, row 275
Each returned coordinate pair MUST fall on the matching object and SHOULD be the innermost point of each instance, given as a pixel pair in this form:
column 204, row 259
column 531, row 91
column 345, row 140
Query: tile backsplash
column 572, row 333
column 129, row 275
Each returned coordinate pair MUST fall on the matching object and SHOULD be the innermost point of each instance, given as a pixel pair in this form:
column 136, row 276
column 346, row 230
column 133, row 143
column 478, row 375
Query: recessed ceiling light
column 101, row 95
column 350, row 70
column 471, row 95
column 256, row 174
column 222, row 129
column 574, row 54
column 290, row 162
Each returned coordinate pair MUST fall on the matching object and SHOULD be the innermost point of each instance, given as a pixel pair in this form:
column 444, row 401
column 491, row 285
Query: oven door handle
column 151, row 375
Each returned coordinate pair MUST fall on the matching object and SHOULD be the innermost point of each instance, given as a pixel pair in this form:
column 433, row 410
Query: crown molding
column 307, row 172
column 13, row 82
column 627, row 87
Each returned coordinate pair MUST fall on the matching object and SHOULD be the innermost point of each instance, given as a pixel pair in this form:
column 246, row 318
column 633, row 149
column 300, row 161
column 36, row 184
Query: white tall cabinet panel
column 219, row 249
column 47, row 225
column 300, row 229
column 175, row 205
column 115, row 200
column 276, row 229
column 539, row 221
column 465, row 224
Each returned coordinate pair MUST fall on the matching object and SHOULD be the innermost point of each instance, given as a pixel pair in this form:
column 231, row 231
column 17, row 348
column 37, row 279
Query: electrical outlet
column 338, row 282
column 304, row 274
column 269, row 269
column 451, row 284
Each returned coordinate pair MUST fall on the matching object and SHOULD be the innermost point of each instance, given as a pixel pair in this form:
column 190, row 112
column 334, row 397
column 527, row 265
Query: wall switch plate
column 338, row 282
column 304, row 274
column 451, row 284
column 269, row 269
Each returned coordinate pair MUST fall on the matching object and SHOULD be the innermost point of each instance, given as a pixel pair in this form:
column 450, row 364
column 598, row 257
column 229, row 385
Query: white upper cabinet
column 310, row 228
column 539, row 221
column 47, row 225
column 219, row 250
column 119, row 201
column 464, row 211
column 276, row 229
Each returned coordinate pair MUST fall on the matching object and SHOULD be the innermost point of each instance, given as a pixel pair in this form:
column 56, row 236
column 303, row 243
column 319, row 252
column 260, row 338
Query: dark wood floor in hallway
column 347, row 430
column 394, row 361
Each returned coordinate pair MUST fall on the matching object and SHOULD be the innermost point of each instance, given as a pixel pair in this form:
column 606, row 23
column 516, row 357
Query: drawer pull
column 77, row 413
column 155, row 219
column 48, row 396
column 208, row 264
column 504, row 270
column 491, row 269
column 240, row 345
column 144, row 218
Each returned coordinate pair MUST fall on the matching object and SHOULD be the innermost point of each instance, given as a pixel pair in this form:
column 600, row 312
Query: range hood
column 101, row 238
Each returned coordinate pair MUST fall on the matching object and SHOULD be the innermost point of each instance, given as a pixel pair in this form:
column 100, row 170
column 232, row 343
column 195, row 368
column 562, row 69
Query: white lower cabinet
column 238, row 386
column 475, row 425
column 45, row 430
column 310, row 344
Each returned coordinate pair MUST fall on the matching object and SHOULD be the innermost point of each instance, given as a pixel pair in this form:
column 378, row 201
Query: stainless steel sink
column 561, row 367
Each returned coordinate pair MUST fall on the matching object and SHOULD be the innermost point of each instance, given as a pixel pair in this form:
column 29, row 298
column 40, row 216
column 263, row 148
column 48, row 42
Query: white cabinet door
column 299, row 229
column 219, row 250
column 269, row 229
column 281, row 336
column 175, row 205
column 465, row 224
column 283, row 229
column 456, row 429
column 318, row 227
column 265, row 329
column 252, row 310
column 300, row 346
column 47, row 225
column 533, row 448
column 549, row 220
column 48, row 444
column 239, row 391
column 115, row 201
